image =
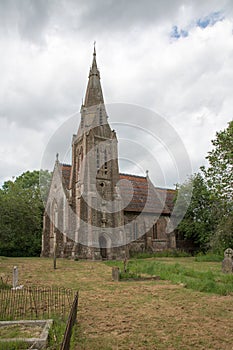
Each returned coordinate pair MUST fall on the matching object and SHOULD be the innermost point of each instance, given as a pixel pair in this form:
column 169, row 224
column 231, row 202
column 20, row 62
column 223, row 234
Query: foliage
column 129, row 275
column 219, row 178
column 223, row 236
column 21, row 212
column 208, row 221
column 219, row 174
column 56, row 333
column 199, row 222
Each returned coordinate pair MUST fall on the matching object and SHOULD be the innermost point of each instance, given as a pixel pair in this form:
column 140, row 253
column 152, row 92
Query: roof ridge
column 164, row 188
column 143, row 177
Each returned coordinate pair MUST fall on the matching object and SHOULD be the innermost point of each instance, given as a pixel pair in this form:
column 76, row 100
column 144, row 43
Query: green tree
column 219, row 174
column 199, row 222
column 21, row 213
column 223, row 235
column 219, row 178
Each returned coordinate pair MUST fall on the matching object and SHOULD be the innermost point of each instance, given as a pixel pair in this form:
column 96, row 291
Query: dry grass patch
column 133, row 315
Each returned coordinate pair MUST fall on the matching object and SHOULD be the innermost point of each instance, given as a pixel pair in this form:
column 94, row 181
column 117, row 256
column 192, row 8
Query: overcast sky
column 170, row 57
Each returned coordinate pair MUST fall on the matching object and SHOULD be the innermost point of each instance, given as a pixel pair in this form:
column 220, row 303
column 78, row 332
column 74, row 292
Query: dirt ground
column 134, row 315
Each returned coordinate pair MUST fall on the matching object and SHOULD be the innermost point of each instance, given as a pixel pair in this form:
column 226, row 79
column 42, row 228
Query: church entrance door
column 103, row 247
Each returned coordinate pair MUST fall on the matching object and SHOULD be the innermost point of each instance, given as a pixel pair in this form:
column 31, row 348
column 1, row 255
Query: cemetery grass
column 194, row 273
column 135, row 314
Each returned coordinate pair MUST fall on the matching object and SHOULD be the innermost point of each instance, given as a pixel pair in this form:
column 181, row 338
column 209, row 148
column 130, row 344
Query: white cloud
column 46, row 53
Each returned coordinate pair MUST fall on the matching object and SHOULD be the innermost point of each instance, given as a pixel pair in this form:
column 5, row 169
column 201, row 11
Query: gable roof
column 138, row 193
column 66, row 171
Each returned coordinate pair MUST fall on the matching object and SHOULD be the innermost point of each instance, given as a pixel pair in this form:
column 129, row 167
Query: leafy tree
column 219, row 178
column 21, row 213
column 219, row 174
column 199, row 222
column 223, row 236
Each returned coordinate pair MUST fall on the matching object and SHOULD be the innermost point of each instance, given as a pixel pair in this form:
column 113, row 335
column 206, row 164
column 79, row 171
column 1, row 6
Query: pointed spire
column 94, row 95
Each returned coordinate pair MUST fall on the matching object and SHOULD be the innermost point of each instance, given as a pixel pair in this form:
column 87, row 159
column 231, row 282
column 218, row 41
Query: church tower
column 92, row 211
column 94, row 195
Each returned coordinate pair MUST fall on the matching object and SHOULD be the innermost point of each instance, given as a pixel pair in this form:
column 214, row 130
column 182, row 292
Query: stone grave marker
column 227, row 264
column 15, row 276
column 115, row 273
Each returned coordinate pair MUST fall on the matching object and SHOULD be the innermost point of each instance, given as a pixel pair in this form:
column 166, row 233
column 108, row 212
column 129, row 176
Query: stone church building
column 95, row 212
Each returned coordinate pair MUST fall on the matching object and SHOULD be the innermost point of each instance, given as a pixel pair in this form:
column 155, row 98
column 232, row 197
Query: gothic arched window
column 97, row 158
column 105, row 162
column 101, row 117
column 154, row 231
column 80, row 158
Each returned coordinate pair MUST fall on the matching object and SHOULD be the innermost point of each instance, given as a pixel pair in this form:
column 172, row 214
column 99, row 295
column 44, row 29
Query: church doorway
column 103, row 247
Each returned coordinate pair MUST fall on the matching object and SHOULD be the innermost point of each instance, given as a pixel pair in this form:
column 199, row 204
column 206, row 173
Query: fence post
column 71, row 321
column 55, row 256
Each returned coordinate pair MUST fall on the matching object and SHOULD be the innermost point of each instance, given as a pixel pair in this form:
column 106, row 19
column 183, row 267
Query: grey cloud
column 179, row 84
column 32, row 18
column 119, row 15
column 28, row 18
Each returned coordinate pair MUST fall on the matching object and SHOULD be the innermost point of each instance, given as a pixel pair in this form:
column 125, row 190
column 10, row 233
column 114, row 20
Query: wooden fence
column 70, row 323
column 35, row 303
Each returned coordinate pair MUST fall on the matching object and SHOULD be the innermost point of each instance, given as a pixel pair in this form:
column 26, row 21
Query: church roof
column 66, row 171
column 138, row 193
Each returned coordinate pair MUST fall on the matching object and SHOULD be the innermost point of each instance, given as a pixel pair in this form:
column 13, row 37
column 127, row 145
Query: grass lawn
column 193, row 273
column 136, row 314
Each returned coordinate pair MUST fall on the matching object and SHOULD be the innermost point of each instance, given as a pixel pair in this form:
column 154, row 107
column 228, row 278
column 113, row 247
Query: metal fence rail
column 35, row 302
column 70, row 323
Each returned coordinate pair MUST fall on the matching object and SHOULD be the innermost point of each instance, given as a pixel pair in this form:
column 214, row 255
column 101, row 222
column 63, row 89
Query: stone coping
column 39, row 343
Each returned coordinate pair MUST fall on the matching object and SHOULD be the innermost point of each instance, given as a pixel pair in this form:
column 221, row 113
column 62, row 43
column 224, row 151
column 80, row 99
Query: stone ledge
column 39, row 343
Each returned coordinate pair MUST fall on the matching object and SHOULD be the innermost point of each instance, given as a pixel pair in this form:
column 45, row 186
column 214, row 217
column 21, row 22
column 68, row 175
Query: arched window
column 105, row 162
column 154, row 231
column 97, row 158
column 101, row 117
column 80, row 158
column 81, row 153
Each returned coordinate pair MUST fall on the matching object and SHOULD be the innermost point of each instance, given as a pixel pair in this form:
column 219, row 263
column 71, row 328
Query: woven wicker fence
column 35, row 303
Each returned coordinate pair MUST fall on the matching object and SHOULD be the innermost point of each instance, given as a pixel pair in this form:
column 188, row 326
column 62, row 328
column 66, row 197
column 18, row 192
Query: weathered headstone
column 227, row 264
column 115, row 273
column 15, row 277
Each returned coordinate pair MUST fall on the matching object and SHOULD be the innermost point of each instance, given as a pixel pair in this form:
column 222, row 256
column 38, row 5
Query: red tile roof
column 66, row 171
column 138, row 193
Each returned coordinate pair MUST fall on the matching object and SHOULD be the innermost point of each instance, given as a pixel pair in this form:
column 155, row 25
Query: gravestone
column 15, row 277
column 227, row 264
column 115, row 273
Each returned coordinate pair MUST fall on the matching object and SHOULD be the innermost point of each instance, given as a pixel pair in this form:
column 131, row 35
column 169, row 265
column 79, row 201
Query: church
column 95, row 212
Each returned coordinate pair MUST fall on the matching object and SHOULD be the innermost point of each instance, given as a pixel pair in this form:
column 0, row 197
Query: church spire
column 94, row 95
